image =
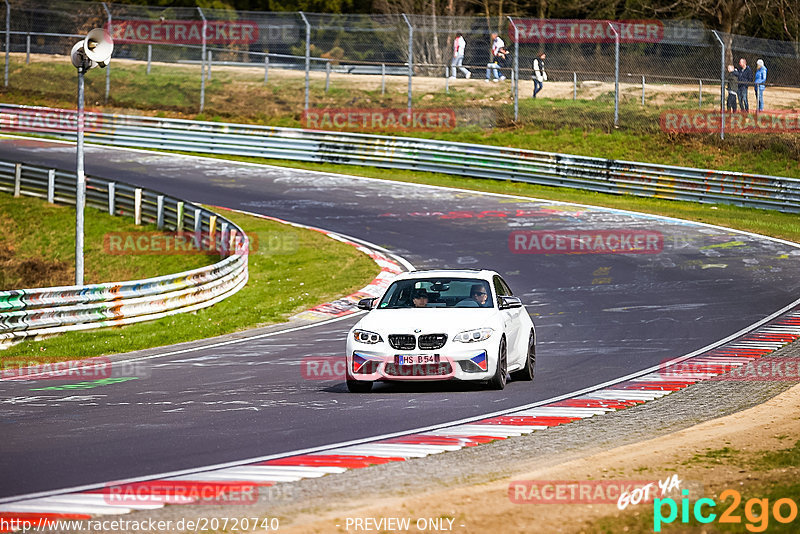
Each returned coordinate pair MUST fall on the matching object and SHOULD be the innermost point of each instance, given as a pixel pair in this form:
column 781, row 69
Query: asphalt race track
column 599, row 316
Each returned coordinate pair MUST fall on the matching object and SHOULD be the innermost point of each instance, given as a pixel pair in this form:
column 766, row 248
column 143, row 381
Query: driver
column 420, row 298
column 479, row 294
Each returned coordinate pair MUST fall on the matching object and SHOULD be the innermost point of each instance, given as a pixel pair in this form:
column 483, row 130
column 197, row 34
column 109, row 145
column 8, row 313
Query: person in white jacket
column 458, row 57
column 539, row 74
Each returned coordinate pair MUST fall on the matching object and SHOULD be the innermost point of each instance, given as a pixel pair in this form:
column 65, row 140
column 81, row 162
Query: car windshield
column 438, row 293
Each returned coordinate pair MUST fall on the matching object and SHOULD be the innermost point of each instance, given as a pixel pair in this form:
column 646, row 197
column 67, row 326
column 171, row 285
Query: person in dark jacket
column 732, row 80
column 745, row 80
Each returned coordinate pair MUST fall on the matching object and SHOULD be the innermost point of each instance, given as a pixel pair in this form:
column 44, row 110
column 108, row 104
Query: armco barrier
column 463, row 159
column 31, row 312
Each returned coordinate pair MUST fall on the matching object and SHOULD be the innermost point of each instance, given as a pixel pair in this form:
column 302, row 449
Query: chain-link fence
column 365, row 72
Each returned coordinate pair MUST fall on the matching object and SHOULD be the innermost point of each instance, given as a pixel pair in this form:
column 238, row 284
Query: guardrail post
column 721, row 85
column 108, row 68
column 212, row 230
column 198, row 226
column 383, row 79
column 616, row 75
column 327, row 75
column 137, row 206
column 17, row 179
column 179, row 217
column 308, row 55
column 51, row 186
column 8, row 40
column 160, row 211
column 28, row 49
column 203, row 62
column 112, row 198
column 266, row 69
column 410, row 58
column 149, row 58
column 223, row 240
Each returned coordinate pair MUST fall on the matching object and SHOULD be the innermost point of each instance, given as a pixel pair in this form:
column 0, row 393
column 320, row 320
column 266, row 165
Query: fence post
column 160, row 211
column 28, row 49
column 327, row 75
column 137, row 206
column 17, row 179
column 700, row 96
column 721, row 85
column 208, row 65
column 383, row 79
column 616, row 75
column 515, row 72
column 224, row 237
column 410, row 58
column 112, row 209
column 447, row 79
column 51, row 186
column 203, row 62
column 149, row 58
column 308, row 54
column 108, row 68
column 574, row 86
column 266, row 69
column 8, row 40
column 643, row 90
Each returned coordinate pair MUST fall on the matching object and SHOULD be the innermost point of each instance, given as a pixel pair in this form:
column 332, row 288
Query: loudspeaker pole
column 80, row 190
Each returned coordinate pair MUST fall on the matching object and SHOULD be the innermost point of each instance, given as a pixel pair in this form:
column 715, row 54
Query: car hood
column 429, row 320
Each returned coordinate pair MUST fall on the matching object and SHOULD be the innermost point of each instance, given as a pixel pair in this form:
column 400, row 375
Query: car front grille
column 423, row 369
column 402, row 341
column 432, row 341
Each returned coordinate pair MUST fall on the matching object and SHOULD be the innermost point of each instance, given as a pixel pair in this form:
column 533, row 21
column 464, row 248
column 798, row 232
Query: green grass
column 583, row 127
column 37, row 247
column 291, row 270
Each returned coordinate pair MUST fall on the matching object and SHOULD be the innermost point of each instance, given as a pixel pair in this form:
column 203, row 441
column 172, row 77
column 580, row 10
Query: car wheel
column 358, row 386
column 498, row 380
column 528, row 370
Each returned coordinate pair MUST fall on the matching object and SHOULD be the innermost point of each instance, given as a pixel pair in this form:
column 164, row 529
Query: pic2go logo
column 784, row 510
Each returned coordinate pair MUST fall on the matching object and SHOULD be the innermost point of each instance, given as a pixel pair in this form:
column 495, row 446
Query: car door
column 511, row 319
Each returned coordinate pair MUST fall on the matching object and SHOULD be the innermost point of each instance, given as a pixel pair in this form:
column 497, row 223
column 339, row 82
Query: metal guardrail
column 31, row 312
column 462, row 159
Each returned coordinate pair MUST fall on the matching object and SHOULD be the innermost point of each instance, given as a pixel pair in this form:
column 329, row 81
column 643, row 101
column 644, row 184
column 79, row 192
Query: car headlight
column 365, row 336
column 470, row 336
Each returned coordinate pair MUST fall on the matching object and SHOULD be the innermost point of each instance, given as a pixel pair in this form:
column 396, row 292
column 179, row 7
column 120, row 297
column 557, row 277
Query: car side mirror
column 365, row 304
column 510, row 302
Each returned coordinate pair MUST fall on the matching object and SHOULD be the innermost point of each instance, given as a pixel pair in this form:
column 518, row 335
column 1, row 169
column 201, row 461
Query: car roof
column 449, row 273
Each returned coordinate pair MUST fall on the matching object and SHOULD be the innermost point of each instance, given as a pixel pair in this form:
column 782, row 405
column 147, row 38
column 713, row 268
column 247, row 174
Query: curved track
column 598, row 316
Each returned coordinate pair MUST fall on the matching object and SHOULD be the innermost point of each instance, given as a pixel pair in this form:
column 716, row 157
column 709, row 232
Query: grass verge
column 300, row 269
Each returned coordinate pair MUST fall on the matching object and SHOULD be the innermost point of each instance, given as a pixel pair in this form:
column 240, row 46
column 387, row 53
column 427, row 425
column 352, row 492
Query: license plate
column 416, row 359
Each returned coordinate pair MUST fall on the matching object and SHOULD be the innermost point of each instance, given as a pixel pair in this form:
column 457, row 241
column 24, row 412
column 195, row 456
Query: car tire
column 528, row 370
column 358, row 386
column 498, row 380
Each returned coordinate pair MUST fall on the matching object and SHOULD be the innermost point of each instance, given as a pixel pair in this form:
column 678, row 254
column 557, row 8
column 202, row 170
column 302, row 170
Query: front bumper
column 472, row 363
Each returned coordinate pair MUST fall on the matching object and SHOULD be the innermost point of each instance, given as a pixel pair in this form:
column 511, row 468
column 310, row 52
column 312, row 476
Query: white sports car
column 442, row 325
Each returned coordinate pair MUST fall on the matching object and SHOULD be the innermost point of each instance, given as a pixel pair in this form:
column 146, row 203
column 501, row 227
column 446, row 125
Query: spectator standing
column 733, row 88
column 760, row 83
column 745, row 79
column 459, row 45
column 539, row 74
column 497, row 46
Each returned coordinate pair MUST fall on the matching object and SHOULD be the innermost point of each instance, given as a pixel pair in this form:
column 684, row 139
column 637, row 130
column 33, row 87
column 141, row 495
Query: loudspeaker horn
column 98, row 46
